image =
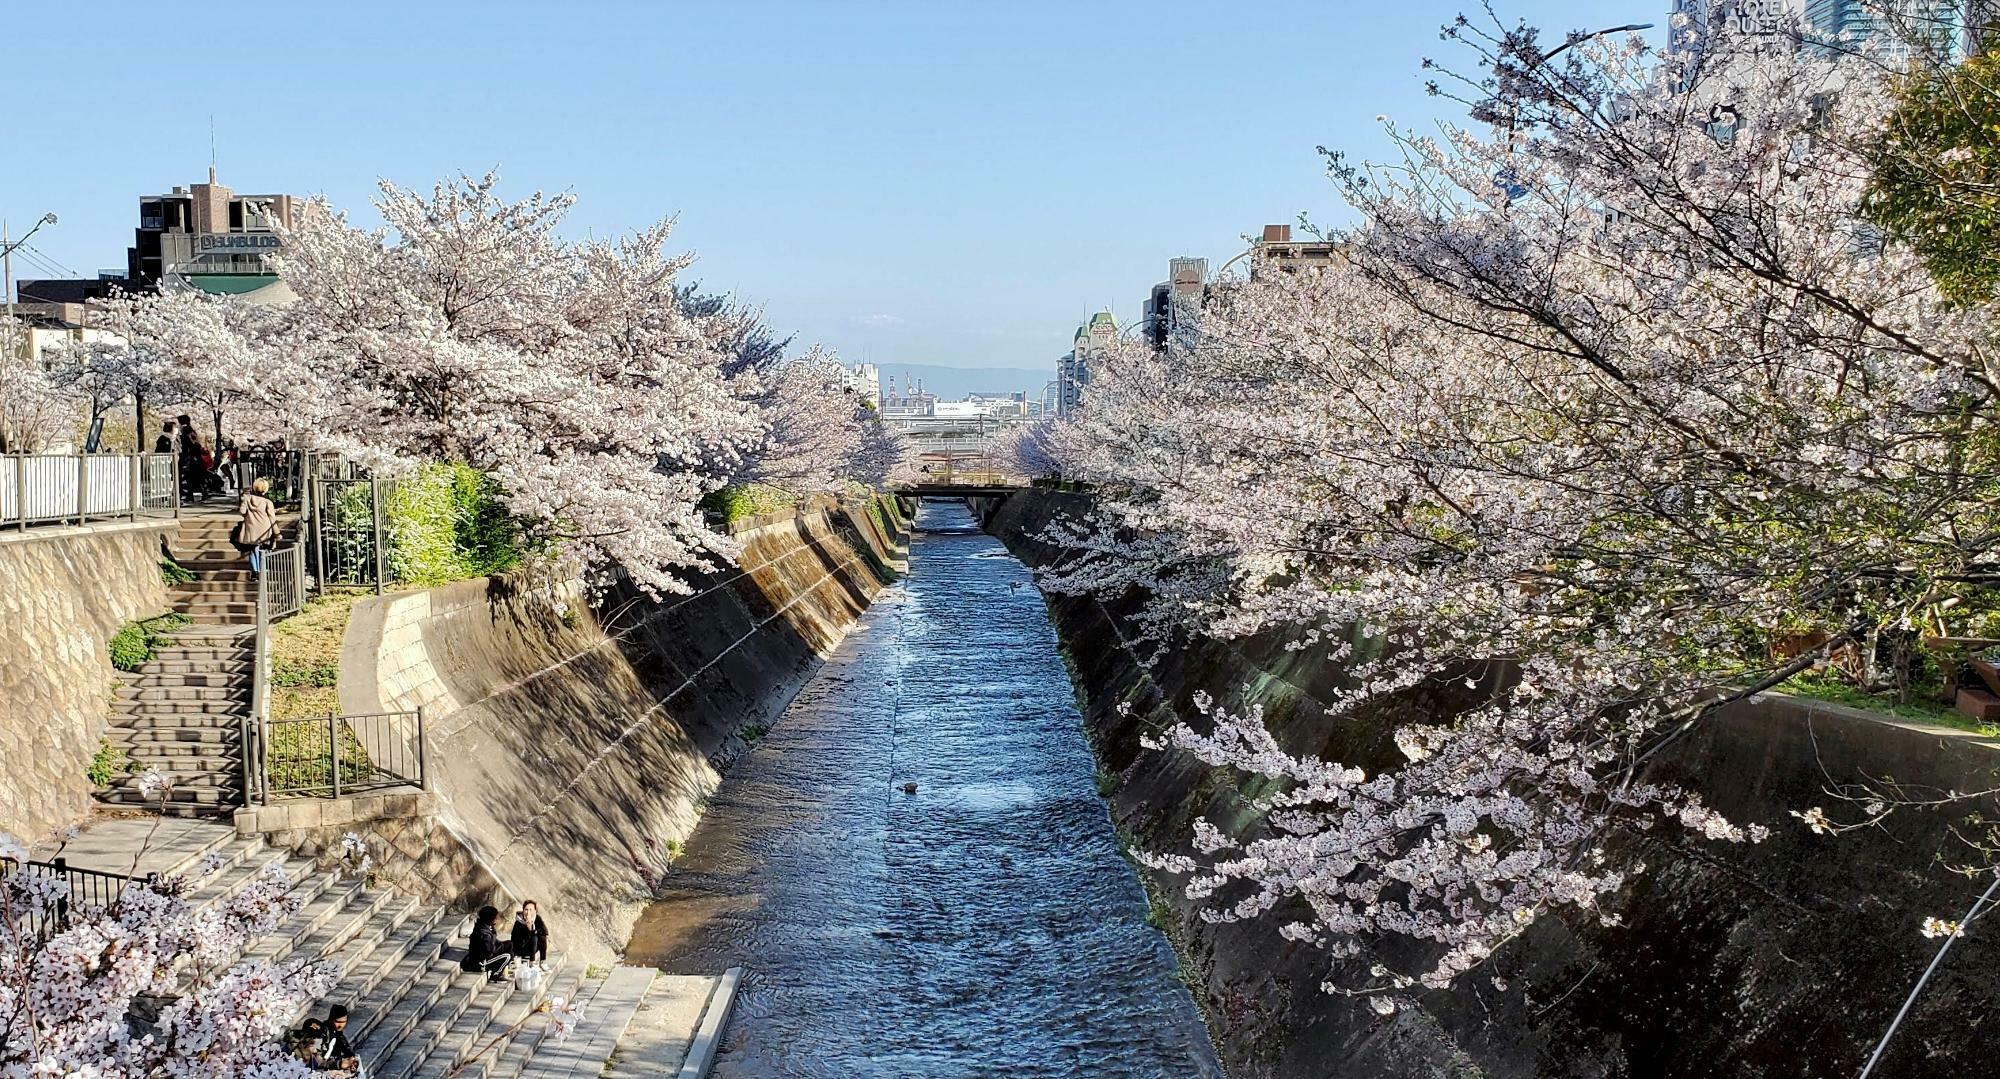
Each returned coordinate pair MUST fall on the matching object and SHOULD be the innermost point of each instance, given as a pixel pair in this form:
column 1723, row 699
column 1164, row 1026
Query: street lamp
column 1505, row 181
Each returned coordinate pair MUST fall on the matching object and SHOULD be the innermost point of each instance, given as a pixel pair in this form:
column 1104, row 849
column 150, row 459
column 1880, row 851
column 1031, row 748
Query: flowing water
column 985, row 925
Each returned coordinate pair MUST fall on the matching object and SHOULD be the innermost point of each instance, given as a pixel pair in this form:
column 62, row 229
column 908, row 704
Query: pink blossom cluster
column 153, row 984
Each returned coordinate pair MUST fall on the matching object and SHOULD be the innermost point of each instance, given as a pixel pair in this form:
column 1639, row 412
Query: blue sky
column 938, row 182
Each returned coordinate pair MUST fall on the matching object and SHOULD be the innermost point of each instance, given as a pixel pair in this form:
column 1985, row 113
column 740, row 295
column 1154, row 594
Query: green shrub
column 446, row 523
column 107, row 762
column 173, row 573
column 737, row 503
column 136, row 643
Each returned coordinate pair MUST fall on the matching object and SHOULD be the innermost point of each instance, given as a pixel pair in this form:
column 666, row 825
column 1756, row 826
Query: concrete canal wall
column 572, row 744
column 1784, row 959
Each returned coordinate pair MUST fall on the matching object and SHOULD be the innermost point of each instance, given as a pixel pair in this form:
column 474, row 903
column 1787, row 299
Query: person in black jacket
column 530, row 939
column 484, row 953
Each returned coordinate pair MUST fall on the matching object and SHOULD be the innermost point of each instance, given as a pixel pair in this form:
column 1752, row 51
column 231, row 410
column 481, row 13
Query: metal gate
column 347, row 537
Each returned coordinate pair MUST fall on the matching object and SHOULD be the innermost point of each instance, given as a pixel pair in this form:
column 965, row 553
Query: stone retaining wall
column 63, row 593
column 1783, row 959
column 410, row 848
column 571, row 745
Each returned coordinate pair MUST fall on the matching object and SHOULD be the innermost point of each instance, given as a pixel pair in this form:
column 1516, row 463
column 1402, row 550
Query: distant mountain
column 953, row 383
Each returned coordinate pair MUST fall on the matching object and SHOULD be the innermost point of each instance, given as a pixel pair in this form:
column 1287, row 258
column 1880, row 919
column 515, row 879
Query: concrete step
column 570, row 984
column 184, row 781
column 139, row 716
column 376, row 982
column 210, row 635
column 183, row 693
column 233, row 664
column 453, row 1029
column 407, row 989
column 589, row 1047
column 149, row 678
column 193, row 799
column 490, row 1050
column 216, row 759
column 175, row 741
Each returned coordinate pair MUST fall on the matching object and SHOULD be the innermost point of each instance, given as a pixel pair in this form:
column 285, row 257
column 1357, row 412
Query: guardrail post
column 21, row 489
column 381, row 555
column 333, row 749
column 244, row 749
column 423, row 752
column 174, row 481
column 298, row 578
column 138, row 463
column 82, row 487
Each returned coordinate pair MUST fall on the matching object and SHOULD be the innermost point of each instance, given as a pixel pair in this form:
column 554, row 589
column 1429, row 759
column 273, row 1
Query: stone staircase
column 413, row 1013
column 223, row 591
column 182, row 714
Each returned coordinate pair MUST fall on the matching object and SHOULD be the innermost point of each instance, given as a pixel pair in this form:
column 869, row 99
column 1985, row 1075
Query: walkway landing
column 676, row 1029
column 169, row 844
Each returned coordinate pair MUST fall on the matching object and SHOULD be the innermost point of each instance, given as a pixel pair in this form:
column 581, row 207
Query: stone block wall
column 1779, row 960
column 410, row 848
column 63, row 593
column 571, row 745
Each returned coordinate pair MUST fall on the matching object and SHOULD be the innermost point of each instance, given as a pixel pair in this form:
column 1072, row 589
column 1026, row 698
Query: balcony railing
column 72, row 488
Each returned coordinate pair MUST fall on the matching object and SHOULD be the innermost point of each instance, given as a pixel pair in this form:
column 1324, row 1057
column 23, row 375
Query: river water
column 985, row 925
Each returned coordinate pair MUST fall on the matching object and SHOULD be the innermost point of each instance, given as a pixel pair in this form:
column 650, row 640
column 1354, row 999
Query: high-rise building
column 1174, row 304
column 1092, row 340
column 1897, row 27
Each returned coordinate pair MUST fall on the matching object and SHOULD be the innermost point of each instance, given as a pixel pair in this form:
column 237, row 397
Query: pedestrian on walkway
column 483, row 954
column 258, row 530
column 165, row 443
column 529, row 940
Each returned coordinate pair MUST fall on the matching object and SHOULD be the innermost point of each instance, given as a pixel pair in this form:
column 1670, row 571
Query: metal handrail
column 84, row 888
column 334, row 755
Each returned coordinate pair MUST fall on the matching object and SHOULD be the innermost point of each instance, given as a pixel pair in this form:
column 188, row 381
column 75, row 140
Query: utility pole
column 7, row 260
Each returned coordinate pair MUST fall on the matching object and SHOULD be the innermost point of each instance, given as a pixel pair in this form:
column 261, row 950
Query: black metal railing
column 45, row 488
column 286, row 469
column 331, row 756
column 78, row 889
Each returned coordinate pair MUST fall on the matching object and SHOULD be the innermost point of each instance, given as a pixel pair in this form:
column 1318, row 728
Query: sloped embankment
column 572, row 747
column 1784, row 959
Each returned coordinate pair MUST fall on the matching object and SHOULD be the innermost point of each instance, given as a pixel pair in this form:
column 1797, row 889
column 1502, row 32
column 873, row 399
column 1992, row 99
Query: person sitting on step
column 335, row 1054
column 483, row 953
column 529, row 940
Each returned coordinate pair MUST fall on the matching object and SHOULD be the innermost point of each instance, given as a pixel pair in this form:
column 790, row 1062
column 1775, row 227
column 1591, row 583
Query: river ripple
column 985, row 925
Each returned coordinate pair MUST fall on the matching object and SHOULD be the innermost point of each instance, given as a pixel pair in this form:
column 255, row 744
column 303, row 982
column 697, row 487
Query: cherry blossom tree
column 35, row 406
column 1592, row 409
column 75, row 980
column 819, row 435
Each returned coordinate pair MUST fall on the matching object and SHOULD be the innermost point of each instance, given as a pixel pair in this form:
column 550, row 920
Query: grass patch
column 299, row 757
column 737, row 503
column 754, row 732
column 1834, row 690
column 305, row 657
column 136, row 643
column 173, row 573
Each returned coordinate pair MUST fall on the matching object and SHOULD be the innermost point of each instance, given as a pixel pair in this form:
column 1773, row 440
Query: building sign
column 236, row 243
column 1187, row 275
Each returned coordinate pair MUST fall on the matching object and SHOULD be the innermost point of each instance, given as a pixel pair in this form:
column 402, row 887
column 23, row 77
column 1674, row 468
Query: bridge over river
column 914, row 866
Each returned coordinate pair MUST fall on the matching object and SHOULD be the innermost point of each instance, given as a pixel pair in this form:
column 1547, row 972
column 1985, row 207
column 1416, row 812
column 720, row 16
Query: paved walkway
column 163, row 845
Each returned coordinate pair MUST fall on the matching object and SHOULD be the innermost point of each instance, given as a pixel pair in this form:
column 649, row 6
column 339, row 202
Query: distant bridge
column 959, row 490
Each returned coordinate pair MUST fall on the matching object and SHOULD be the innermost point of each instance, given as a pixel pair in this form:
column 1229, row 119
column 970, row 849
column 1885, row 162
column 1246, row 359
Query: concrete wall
column 1785, row 959
column 63, row 593
column 571, row 746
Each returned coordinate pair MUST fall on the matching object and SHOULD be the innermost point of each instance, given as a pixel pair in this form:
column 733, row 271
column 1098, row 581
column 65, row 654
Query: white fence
column 77, row 487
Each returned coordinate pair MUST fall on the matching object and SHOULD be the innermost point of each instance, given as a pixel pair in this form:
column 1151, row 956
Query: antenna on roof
column 211, row 148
